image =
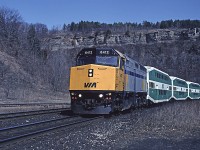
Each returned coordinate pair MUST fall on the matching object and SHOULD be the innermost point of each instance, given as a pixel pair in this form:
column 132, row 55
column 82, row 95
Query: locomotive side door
column 122, row 68
column 135, row 80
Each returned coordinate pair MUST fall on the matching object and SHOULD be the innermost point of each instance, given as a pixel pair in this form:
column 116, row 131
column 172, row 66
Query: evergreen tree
column 64, row 27
column 146, row 24
column 72, row 26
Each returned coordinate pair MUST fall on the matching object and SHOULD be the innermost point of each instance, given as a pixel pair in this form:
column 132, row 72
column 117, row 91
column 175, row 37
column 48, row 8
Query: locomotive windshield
column 85, row 61
column 105, row 57
column 108, row 61
column 100, row 60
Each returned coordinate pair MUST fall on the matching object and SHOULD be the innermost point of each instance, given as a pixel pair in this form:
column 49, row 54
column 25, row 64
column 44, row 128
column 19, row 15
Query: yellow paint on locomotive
column 119, row 80
column 103, row 78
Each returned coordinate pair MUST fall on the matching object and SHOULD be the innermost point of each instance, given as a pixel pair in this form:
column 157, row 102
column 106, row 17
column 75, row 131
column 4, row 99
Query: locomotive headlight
column 90, row 74
column 80, row 95
column 100, row 95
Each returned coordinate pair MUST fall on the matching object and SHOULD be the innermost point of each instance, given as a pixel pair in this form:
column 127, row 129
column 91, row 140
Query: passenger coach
column 194, row 90
column 179, row 88
column 159, row 85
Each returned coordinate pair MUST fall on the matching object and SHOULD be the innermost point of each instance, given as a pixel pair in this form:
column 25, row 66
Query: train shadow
column 70, row 113
column 90, row 115
column 67, row 113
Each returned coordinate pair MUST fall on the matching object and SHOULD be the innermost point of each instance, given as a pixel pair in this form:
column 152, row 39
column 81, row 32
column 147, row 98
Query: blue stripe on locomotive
column 136, row 76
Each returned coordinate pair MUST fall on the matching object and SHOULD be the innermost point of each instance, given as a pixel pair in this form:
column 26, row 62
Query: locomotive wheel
column 137, row 103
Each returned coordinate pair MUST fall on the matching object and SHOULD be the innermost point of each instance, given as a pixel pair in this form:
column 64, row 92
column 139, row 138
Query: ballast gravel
column 29, row 119
column 168, row 126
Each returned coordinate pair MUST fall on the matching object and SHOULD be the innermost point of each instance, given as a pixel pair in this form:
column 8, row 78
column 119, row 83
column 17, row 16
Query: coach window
column 174, row 88
column 151, row 85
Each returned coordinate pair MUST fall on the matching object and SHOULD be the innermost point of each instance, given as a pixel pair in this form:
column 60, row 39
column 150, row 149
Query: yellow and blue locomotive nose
column 93, row 77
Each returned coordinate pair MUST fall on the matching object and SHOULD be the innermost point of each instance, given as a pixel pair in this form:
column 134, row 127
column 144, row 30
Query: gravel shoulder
column 167, row 126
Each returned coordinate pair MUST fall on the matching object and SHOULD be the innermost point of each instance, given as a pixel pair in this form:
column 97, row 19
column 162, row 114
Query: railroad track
column 34, row 104
column 30, row 113
column 11, row 134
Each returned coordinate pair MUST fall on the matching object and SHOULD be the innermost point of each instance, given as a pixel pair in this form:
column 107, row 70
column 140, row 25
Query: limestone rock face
column 62, row 41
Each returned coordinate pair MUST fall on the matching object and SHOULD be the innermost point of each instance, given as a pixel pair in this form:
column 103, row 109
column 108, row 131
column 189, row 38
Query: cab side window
column 122, row 62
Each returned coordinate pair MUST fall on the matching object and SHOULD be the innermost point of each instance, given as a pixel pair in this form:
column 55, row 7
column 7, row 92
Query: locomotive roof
column 120, row 54
column 115, row 52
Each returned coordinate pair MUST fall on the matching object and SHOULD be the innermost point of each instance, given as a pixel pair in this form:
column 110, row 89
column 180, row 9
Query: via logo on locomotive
column 90, row 85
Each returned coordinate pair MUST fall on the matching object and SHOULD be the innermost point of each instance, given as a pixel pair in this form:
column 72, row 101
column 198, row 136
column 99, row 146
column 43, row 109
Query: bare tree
column 10, row 22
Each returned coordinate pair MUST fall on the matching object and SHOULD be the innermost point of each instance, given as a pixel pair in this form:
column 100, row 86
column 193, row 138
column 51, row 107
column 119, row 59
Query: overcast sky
column 57, row 12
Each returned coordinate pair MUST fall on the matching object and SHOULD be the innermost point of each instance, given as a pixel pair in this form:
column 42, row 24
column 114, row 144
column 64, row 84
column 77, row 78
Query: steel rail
column 32, row 104
column 32, row 124
column 46, row 130
column 29, row 113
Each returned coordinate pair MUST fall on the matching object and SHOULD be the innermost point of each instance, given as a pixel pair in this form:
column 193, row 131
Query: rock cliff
column 176, row 52
column 70, row 40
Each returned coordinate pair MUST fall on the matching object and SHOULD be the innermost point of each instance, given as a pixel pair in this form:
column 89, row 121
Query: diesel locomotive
column 105, row 81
